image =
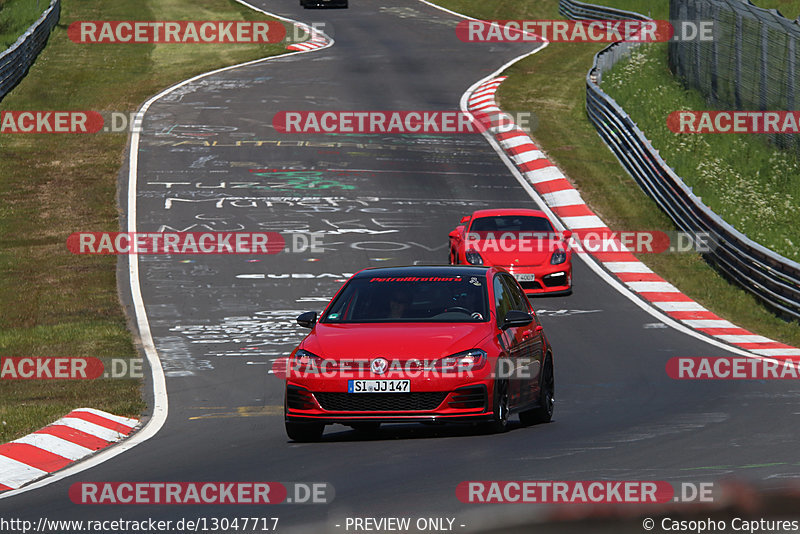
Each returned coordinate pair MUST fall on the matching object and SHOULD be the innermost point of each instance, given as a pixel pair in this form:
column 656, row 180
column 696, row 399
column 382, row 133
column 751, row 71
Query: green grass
column 655, row 9
column 16, row 16
column 750, row 184
column 788, row 8
column 551, row 84
column 53, row 303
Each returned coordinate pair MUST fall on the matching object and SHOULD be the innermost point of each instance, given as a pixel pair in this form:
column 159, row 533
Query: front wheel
column 501, row 408
column 304, row 432
column 544, row 412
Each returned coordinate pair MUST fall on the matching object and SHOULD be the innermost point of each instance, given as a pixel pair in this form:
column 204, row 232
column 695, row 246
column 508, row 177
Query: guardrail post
column 763, row 100
column 737, row 65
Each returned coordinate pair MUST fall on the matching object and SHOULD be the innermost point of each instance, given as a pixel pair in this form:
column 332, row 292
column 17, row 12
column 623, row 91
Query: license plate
column 525, row 277
column 378, row 386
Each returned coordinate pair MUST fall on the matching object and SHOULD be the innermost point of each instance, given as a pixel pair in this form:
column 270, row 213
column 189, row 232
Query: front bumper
column 548, row 279
column 466, row 403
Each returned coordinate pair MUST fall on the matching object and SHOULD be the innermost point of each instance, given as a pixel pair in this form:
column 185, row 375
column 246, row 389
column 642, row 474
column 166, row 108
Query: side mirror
column 517, row 318
column 464, row 219
column 567, row 234
column 454, row 234
column 307, row 319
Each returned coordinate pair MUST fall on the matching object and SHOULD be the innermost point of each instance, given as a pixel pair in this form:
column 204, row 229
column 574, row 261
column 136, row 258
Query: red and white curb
column 75, row 436
column 566, row 202
column 315, row 42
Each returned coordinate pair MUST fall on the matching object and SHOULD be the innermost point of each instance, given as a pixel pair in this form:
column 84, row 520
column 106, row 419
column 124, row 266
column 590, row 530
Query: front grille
column 553, row 280
column 380, row 402
column 468, row 398
column 531, row 285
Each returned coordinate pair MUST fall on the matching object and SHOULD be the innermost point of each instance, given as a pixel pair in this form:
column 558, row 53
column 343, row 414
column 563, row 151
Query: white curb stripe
column 126, row 421
column 482, row 99
column 710, row 323
column 90, row 428
column 56, row 445
column 486, row 107
column 743, row 338
column 652, row 287
column 545, row 174
column 527, row 156
column 627, row 267
column 489, row 88
column 567, row 197
column 679, row 306
column 516, row 141
column 15, row 474
column 584, row 221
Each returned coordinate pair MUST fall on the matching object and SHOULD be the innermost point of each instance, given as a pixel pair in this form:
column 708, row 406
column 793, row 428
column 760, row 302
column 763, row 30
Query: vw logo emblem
column 379, row 366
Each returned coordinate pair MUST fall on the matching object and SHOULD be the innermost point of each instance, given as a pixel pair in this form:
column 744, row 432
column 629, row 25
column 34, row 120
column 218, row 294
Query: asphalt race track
column 209, row 159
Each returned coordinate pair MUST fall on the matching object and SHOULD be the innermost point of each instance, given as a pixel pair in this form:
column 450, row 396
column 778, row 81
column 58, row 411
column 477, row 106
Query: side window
column 502, row 300
column 517, row 296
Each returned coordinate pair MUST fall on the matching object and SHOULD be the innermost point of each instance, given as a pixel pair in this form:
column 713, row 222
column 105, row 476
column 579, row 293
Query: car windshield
column 511, row 223
column 423, row 298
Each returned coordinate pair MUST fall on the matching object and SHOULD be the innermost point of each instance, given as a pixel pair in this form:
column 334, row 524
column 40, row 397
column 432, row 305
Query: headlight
column 559, row 256
column 473, row 258
column 308, row 362
column 470, row 360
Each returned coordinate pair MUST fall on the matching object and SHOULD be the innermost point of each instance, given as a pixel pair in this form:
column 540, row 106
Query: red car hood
column 516, row 252
column 399, row 341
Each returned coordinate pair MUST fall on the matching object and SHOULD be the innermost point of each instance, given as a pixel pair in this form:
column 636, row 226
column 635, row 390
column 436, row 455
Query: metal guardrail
column 18, row 58
column 581, row 11
column 769, row 276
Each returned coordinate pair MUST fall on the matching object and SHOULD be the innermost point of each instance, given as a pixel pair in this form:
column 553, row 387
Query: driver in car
column 398, row 304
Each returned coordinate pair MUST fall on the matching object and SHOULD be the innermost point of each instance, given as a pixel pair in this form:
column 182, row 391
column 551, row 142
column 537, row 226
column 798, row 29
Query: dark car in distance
column 323, row 3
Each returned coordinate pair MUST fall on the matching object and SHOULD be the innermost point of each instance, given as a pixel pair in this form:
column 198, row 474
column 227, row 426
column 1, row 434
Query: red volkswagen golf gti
column 420, row 344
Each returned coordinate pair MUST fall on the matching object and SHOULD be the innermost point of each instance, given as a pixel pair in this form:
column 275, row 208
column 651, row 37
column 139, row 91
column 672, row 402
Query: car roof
column 424, row 270
column 509, row 211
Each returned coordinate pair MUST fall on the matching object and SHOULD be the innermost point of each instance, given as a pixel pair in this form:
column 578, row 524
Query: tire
column 544, row 412
column 500, row 409
column 304, row 432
